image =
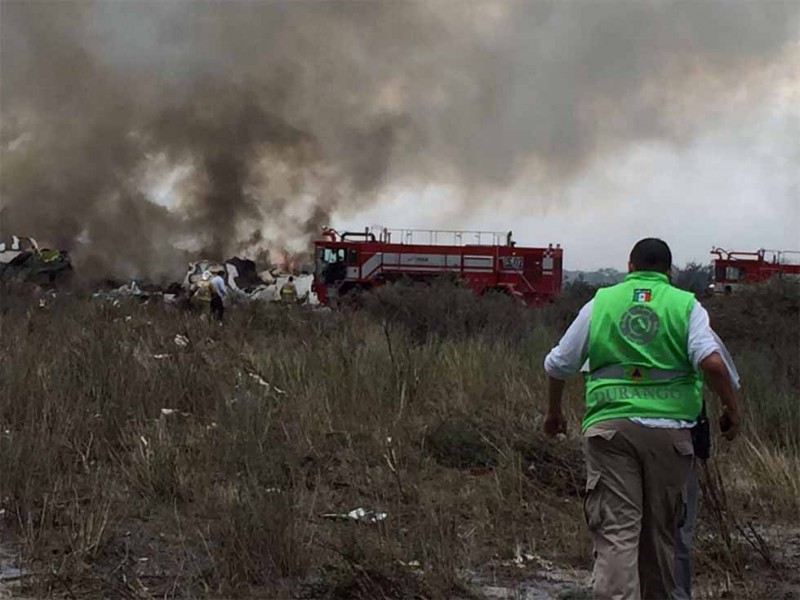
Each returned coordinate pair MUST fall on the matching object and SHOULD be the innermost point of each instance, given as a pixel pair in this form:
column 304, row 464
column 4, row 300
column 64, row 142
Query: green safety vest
column 288, row 292
column 203, row 291
column 638, row 352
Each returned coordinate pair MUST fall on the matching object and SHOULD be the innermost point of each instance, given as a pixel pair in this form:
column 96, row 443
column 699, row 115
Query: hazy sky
column 734, row 185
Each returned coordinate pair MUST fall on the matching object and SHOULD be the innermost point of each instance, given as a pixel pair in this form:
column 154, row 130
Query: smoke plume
column 136, row 133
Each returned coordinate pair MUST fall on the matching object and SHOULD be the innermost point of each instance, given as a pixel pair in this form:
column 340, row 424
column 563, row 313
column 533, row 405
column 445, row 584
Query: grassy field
column 133, row 466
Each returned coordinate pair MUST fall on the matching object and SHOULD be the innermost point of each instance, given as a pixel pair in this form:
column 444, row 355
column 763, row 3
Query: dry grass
column 425, row 405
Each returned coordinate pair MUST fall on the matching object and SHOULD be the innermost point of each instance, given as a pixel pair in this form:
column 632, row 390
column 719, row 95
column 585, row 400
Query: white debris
column 181, row 340
column 361, row 515
column 412, row 564
column 130, row 289
column 370, row 516
column 167, row 412
column 259, row 380
column 522, row 558
column 264, row 383
column 266, row 277
column 162, row 356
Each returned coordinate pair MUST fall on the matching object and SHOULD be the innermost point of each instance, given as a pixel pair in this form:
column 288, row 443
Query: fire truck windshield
column 732, row 273
column 331, row 255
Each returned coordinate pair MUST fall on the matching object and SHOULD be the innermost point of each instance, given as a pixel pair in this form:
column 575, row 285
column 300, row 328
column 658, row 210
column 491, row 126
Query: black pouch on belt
column 701, row 436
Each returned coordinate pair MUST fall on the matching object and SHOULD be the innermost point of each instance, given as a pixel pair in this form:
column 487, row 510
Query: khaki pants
column 683, row 540
column 635, row 479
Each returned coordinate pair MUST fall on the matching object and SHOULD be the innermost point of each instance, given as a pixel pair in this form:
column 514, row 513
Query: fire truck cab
column 485, row 261
column 733, row 269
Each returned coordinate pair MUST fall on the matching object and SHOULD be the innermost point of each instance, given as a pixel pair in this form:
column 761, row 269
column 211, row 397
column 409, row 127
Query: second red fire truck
column 733, row 269
column 485, row 261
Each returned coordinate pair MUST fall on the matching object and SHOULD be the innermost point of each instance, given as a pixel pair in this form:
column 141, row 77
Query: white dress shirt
column 571, row 353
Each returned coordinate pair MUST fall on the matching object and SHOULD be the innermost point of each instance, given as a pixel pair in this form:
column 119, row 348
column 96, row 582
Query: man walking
column 648, row 346
column 218, row 293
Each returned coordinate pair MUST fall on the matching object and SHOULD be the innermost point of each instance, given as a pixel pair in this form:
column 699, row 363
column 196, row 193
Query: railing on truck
column 444, row 237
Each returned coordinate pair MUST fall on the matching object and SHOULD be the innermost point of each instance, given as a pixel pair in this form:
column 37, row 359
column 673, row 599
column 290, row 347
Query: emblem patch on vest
column 635, row 373
column 642, row 295
column 639, row 324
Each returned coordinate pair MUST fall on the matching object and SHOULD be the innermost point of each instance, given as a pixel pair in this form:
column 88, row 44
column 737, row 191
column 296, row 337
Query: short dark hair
column 651, row 254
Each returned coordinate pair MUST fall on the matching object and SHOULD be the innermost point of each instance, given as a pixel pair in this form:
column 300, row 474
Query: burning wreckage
column 243, row 281
column 22, row 260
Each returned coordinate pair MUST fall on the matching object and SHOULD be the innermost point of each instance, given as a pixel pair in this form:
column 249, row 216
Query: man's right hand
column 554, row 423
column 729, row 423
column 716, row 374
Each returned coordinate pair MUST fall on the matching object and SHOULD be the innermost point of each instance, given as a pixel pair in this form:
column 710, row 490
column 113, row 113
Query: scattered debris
column 240, row 275
column 263, row 383
column 22, row 258
column 166, row 412
column 259, row 380
column 130, row 289
column 181, row 340
column 360, row 515
column 245, row 283
column 521, row 558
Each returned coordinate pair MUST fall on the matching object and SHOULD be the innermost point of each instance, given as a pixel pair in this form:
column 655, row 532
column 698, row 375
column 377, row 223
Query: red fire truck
column 734, row 269
column 485, row 261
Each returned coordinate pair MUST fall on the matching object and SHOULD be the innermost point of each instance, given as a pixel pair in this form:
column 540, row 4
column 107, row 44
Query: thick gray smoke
column 133, row 132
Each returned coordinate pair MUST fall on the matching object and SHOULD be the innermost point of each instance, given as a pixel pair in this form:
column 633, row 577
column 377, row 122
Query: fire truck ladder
column 444, row 237
column 780, row 256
